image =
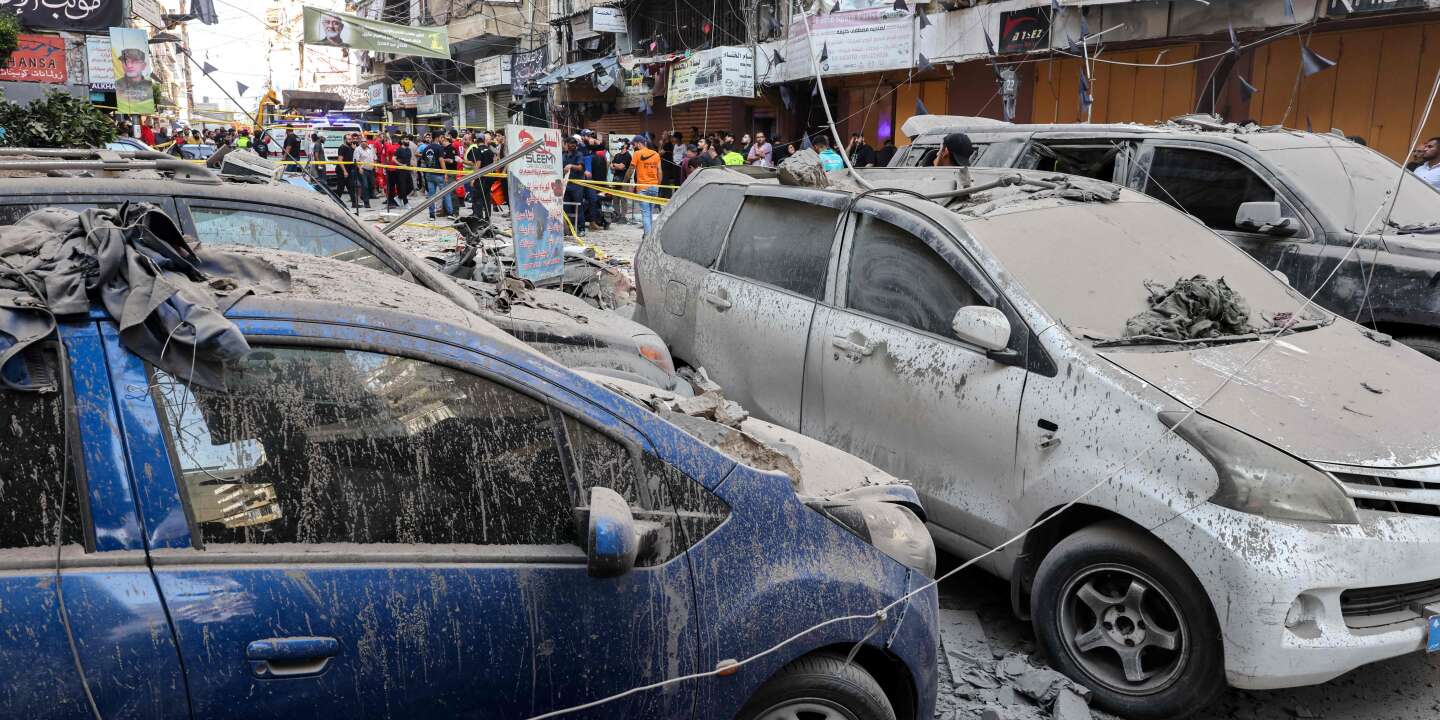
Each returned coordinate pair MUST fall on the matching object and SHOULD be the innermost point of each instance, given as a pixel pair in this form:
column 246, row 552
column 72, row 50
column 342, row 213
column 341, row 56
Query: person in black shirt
column 291, row 150
column 403, row 179
column 861, row 154
column 670, row 171
column 432, row 157
column 620, row 170
column 599, row 172
column 886, row 154
column 348, row 174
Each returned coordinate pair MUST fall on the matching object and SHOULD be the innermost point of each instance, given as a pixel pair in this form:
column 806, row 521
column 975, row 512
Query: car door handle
column 291, row 656
column 718, row 301
column 852, row 347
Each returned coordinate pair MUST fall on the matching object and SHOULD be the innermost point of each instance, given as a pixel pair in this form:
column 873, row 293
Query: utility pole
column 185, row 69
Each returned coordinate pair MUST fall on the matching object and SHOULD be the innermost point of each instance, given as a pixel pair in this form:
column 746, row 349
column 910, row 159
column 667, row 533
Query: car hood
column 1339, row 394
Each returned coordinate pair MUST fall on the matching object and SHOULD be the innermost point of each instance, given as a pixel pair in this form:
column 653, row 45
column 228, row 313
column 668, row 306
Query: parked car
column 284, row 217
column 1293, row 200
column 395, row 508
column 975, row 341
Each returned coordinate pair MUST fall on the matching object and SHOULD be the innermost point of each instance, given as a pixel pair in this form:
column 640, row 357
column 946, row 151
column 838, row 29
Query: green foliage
column 58, row 120
column 9, row 33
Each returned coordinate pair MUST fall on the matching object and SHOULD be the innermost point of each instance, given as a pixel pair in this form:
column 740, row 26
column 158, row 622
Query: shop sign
column 855, row 42
column 721, row 72
column 608, row 19
column 37, row 59
column 1338, row 8
column 492, row 71
column 1025, row 30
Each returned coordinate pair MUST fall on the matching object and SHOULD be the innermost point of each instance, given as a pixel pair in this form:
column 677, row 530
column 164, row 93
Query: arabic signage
column 524, row 67
column 336, row 29
column 536, row 194
column 608, row 19
column 402, row 98
column 1357, row 7
column 492, row 71
column 375, row 95
column 854, row 42
column 100, row 62
column 721, row 72
column 67, row 14
column 37, row 59
column 1025, row 30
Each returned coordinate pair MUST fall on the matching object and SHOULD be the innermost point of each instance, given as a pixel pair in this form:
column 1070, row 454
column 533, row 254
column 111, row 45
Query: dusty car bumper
column 1255, row 570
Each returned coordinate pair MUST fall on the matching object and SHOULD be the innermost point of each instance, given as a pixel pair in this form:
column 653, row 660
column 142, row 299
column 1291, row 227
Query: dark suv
column 223, row 211
column 1294, row 200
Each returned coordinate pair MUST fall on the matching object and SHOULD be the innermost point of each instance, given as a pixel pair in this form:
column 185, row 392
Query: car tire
column 1428, row 345
column 820, row 686
column 1109, row 592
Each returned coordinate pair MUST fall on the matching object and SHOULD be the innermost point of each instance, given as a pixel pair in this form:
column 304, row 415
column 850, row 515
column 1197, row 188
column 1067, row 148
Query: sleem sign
column 536, row 193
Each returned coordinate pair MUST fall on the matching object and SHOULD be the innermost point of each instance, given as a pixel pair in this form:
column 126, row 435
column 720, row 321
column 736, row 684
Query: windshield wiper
column 1417, row 229
column 1137, row 340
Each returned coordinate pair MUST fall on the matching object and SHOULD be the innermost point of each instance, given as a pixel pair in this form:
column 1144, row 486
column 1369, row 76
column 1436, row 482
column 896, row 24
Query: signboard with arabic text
column 100, row 61
column 1340, row 8
column 858, row 41
column 537, row 191
column 67, row 14
column 524, row 67
column 336, row 29
column 1025, row 30
column 37, row 59
column 720, row 72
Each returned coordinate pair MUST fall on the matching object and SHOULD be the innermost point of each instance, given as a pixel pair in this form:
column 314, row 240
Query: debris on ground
column 1011, row 688
column 1191, row 309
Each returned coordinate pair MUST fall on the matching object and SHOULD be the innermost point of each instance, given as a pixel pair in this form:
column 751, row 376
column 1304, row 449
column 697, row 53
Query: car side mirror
column 1264, row 217
column 984, row 326
column 611, row 542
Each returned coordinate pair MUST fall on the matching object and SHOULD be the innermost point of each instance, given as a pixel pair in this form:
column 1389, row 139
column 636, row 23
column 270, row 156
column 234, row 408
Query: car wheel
column 1428, row 345
column 1121, row 614
column 819, row 687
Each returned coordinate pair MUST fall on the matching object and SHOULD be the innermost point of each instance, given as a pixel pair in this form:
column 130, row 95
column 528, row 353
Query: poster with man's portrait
column 324, row 28
column 134, row 88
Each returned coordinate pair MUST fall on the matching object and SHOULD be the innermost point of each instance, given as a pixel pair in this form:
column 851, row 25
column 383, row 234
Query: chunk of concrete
column 967, row 650
column 1070, row 706
column 803, row 169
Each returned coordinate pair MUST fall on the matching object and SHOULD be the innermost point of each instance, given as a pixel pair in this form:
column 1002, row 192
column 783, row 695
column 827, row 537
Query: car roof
column 282, row 194
column 327, row 290
column 1189, row 127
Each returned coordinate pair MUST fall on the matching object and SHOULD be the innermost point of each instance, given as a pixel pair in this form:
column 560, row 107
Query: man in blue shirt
column 576, row 168
column 829, row 159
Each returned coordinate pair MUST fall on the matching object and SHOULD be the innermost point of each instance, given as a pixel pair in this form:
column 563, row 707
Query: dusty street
column 976, row 606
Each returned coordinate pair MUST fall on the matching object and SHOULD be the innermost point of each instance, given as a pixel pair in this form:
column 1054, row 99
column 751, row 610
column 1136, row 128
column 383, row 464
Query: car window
column 782, row 242
column 38, row 473
column 926, row 156
column 15, row 212
column 697, row 229
column 1208, row 185
column 895, row 275
column 1092, row 161
column 225, row 226
column 340, row 446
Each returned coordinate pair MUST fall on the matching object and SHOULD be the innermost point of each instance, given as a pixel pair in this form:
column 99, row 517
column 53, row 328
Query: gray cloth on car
column 1191, row 309
column 133, row 262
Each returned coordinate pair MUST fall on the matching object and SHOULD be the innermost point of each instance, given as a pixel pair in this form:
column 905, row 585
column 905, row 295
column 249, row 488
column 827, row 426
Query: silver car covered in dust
column 973, row 338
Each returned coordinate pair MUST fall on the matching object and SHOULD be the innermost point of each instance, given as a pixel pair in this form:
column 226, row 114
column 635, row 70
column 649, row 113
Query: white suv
column 1283, row 534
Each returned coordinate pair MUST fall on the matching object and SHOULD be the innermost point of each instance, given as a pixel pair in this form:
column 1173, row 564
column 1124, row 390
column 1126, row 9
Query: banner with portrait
column 337, row 29
column 134, row 86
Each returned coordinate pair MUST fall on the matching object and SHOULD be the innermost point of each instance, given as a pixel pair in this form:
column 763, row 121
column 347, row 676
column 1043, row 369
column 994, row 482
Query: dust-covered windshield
column 1351, row 183
column 1089, row 266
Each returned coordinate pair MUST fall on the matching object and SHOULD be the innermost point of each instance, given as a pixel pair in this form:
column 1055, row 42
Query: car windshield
column 1352, row 182
column 1089, row 265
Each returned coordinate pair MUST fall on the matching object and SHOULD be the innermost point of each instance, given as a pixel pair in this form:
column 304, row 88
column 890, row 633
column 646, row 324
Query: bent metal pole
column 498, row 164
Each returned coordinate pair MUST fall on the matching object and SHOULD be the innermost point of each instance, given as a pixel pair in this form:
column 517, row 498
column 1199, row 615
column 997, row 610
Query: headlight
column 1258, row 479
column 892, row 529
column 651, row 348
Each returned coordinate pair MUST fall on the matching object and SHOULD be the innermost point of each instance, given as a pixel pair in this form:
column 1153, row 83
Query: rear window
column 697, row 229
column 782, row 242
column 252, row 228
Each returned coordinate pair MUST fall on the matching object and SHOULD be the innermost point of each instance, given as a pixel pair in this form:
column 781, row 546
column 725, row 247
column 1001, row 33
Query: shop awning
column 311, row 100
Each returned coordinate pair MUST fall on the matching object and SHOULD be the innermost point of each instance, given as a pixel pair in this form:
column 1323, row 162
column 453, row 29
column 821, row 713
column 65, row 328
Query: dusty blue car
column 394, row 509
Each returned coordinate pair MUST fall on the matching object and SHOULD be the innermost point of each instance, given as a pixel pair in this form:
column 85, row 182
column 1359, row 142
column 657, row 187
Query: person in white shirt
column 365, row 153
column 1429, row 169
